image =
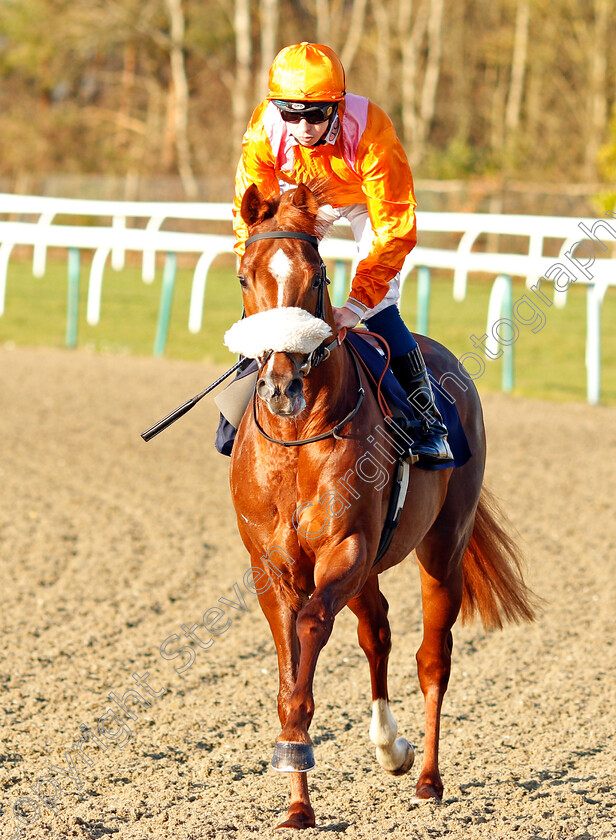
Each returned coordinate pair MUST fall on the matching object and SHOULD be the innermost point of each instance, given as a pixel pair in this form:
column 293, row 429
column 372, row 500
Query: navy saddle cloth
column 394, row 396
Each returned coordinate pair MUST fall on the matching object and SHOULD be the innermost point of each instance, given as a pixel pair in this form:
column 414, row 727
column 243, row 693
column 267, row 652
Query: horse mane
column 288, row 215
column 321, row 190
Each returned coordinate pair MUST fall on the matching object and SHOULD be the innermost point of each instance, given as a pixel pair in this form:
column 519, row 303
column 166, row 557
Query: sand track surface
column 108, row 546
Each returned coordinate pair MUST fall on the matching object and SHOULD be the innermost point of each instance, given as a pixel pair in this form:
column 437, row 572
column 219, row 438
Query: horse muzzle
column 282, row 399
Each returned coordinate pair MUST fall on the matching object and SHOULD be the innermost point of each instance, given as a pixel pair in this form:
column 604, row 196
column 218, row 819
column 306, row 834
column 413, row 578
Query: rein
column 335, row 431
column 385, row 409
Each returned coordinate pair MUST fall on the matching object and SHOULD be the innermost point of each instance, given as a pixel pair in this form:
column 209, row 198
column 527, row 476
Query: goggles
column 313, row 113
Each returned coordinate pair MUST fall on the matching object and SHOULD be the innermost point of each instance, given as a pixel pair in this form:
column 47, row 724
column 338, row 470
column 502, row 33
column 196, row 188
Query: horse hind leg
column 440, row 568
column 396, row 755
column 466, row 562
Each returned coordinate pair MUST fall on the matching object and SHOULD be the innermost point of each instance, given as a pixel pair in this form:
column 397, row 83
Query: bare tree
column 126, row 86
column 241, row 94
column 323, row 21
column 598, row 102
column 518, row 67
column 111, row 78
column 180, row 96
column 412, row 31
column 340, row 24
column 433, row 69
column 354, row 30
column 382, row 52
column 268, row 14
column 497, row 83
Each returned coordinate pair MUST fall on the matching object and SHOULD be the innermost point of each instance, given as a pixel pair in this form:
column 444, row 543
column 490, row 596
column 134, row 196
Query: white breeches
column 357, row 214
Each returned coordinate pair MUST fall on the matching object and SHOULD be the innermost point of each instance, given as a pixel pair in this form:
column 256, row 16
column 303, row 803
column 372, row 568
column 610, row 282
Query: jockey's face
column 306, row 133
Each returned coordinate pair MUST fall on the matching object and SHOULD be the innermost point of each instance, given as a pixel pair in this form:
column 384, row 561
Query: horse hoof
column 298, row 818
column 292, row 757
column 427, row 792
column 397, row 759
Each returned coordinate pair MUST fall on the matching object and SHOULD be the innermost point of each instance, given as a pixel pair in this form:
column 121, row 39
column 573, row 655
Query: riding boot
column 431, row 443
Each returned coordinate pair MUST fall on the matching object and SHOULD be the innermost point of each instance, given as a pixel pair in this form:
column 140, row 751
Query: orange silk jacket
column 361, row 161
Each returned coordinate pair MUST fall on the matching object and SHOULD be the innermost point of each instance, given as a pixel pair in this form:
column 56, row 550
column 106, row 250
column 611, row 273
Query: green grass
column 35, row 311
column 548, row 364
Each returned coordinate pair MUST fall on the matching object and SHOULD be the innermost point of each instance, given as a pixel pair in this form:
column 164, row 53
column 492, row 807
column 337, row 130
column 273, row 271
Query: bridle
column 320, row 354
column 323, row 278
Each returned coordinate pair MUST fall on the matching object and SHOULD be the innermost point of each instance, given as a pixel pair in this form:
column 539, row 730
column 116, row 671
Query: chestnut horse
column 310, row 511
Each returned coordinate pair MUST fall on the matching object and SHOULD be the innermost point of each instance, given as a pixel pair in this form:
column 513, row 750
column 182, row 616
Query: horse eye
column 316, row 281
column 242, row 279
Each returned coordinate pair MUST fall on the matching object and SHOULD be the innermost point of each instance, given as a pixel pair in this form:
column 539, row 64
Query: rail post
column 166, row 299
column 339, row 290
column 594, row 298
column 423, row 299
column 72, row 305
column 500, row 308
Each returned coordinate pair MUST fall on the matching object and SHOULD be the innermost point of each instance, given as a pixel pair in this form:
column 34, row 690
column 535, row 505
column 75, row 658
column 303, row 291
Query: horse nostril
column 263, row 389
column 294, row 388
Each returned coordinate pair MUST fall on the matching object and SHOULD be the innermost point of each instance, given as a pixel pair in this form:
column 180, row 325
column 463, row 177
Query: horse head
column 288, row 314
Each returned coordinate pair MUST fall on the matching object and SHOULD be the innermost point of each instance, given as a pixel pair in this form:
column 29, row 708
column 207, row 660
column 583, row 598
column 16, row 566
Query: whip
column 182, row 409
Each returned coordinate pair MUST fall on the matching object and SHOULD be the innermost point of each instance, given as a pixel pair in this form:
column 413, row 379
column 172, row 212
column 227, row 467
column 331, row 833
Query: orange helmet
column 307, row 73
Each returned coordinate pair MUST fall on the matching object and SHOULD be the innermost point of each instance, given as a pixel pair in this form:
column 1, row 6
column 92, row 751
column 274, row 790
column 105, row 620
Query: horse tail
column 493, row 585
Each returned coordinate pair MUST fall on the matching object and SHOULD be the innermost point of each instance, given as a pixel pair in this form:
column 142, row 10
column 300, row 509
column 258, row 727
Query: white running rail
column 583, row 252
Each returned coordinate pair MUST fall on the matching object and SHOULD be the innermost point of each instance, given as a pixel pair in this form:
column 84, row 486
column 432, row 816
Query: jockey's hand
column 344, row 317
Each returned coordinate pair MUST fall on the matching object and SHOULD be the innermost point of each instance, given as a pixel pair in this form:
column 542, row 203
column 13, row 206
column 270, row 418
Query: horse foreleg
column 282, row 619
column 337, row 578
column 314, row 626
column 396, row 755
column 441, row 599
column 294, row 747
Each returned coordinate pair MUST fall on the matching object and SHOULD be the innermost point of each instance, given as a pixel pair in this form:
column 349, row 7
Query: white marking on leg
column 383, row 727
column 280, row 267
column 393, row 754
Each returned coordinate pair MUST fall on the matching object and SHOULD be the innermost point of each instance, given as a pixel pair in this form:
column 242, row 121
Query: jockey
column 309, row 129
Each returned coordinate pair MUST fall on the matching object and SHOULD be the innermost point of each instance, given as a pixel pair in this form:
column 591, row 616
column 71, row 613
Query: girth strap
column 396, row 503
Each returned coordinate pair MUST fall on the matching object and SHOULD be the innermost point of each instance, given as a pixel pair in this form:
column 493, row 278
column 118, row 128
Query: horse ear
column 303, row 197
column 254, row 206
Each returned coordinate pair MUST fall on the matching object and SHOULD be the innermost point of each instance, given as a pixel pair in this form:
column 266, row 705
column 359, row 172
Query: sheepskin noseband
column 286, row 329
